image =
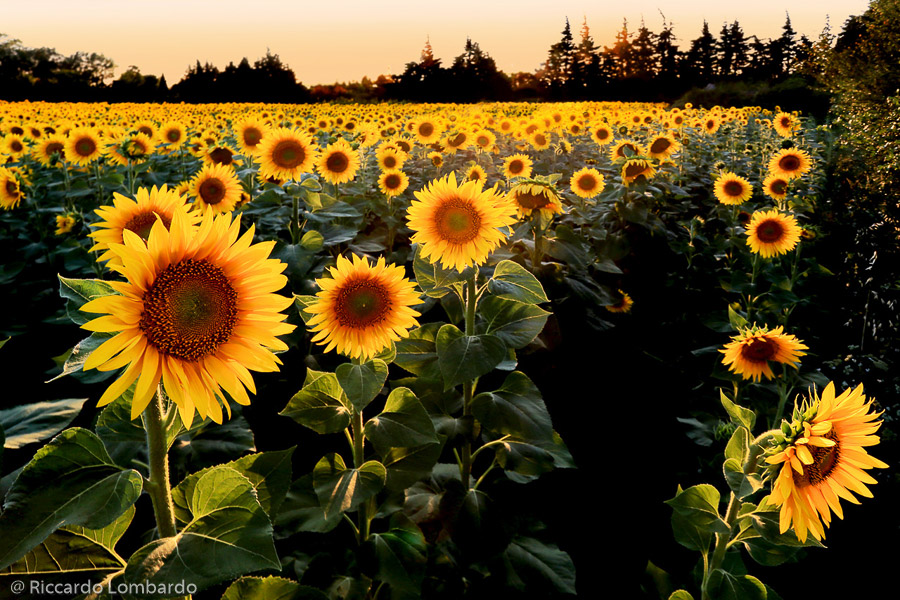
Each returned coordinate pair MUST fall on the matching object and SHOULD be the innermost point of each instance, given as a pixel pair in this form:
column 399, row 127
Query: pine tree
column 559, row 70
column 588, row 61
column 701, row 58
column 667, row 53
column 619, row 57
column 643, row 51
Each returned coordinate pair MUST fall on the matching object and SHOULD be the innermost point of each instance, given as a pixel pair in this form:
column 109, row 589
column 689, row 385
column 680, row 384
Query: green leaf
column 228, row 535
column 515, row 409
column 271, row 588
column 738, row 446
column 403, row 423
column 321, row 405
column 301, row 302
column 80, row 353
column 515, row 323
column 301, row 510
column 405, row 466
column 539, row 566
column 740, row 416
column 400, row 555
column 268, row 472
column 341, row 489
column 512, row 281
column 466, row 357
column 30, row 423
column 312, row 241
column 523, row 458
column 741, row 484
column 79, row 292
column 680, row 595
column 433, row 279
column 737, row 321
column 75, row 550
column 362, row 382
column 723, row 585
column 70, row 481
column 695, row 516
column 418, row 352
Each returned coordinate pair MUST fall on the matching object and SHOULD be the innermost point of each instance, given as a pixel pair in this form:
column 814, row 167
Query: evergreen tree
column 700, row 62
column 560, row 68
column 782, row 50
column 732, row 58
column 588, row 62
column 643, row 52
column 619, row 57
column 667, row 53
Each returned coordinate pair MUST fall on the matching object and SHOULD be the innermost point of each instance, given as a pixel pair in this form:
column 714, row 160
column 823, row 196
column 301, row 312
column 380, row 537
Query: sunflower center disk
column 779, row 187
column 632, row 171
column 759, row 350
column 252, row 137
column 426, row 129
column 85, row 147
column 361, row 303
column 54, row 147
column 190, row 310
column 288, row 154
column 789, row 163
column 769, row 231
column 587, row 182
column 221, row 156
column 337, row 162
column 516, row 167
column 392, row 181
column 824, row 462
column 212, row 191
column 173, row 135
column 457, row 222
column 532, row 200
column 734, row 189
column 12, row 189
column 143, row 222
column 660, row 146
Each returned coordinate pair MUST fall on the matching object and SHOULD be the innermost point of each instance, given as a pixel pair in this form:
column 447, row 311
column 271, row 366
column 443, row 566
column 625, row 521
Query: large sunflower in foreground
column 285, row 153
column 216, row 188
column 137, row 215
column 198, row 312
column 823, row 459
column 790, row 163
column 732, row 189
column 363, row 307
column 772, row 233
column 338, row 163
column 748, row 353
column 459, row 225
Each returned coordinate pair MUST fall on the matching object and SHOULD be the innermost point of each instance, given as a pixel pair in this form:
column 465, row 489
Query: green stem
column 157, row 450
column 538, row 254
column 358, row 459
column 468, row 386
column 295, row 219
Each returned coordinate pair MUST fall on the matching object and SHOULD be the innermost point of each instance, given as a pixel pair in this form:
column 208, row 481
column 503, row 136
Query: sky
column 344, row 40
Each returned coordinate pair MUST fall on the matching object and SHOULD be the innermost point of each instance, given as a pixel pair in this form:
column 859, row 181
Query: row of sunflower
column 490, row 235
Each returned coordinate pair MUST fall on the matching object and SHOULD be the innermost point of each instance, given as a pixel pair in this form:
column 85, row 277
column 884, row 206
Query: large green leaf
column 515, row 323
column 341, row 489
column 405, row 466
column 362, row 382
column 513, row 282
column 695, row 516
column 301, row 510
column 418, row 352
column 400, row 556
column 70, row 481
column 270, row 588
column 515, row 409
column 228, row 535
column 75, row 549
column 30, row 423
column 740, row 416
column 466, row 357
column 80, row 353
column 79, row 292
column 403, row 423
column 433, row 279
column 537, row 566
column 269, row 474
column 321, row 405
column 723, row 585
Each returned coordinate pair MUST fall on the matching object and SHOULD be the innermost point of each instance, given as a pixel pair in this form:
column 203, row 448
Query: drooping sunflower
column 823, row 458
column 772, row 233
column 785, row 124
column 776, row 187
column 748, row 353
column 662, row 147
column 338, row 163
column 137, row 216
column 10, row 191
column 531, row 195
column 198, row 312
column 459, row 225
column 285, row 153
column 362, row 308
column 393, row 183
column 83, row 146
column 517, row 165
column 625, row 149
column 731, row 189
column 216, row 188
column 635, row 169
column 587, row 182
column 64, row 224
column 790, row 163
column 623, row 305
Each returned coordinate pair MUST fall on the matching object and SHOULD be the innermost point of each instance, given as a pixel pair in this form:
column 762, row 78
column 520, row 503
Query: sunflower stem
column 722, row 540
column 157, row 450
column 469, row 386
column 358, row 459
column 295, row 219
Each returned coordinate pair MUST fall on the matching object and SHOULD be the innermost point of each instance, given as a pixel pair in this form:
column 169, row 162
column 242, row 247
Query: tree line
column 639, row 65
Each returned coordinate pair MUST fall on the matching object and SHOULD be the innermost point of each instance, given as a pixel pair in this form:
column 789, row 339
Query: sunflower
column 587, row 183
column 216, row 188
column 436, row 158
column 626, row 149
column 749, row 352
column 173, row 134
column 13, row 145
column 531, row 195
column 539, row 140
column 772, row 233
column 135, row 148
column 249, row 133
column 10, row 191
column 775, row 187
column 485, row 139
column 476, row 173
column 285, row 153
column 790, row 163
column 662, row 147
column 711, row 124
column 785, row 124
column 83, row 146
column 731, row 189
column 393, row 183
column 220, row 154
column 137, row 216
column 623, row 305
column 459, row 225
column 823, row 458
column 338, row 163
column 64, row 224
column 50, row 150
column 637, row 168
column 426, row 130
column 602, row 134
column 362, row 308
column 197, row 312
column 517, row 165
column 457, row 141
column 390, row 159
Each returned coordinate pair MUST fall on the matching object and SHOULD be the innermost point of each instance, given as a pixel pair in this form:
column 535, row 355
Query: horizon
column 103, row 26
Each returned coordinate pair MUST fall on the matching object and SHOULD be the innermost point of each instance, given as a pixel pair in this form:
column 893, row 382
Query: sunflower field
column 430, row 351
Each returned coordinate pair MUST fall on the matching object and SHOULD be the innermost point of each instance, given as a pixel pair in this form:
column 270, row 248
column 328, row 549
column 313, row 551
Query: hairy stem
column 157, row 450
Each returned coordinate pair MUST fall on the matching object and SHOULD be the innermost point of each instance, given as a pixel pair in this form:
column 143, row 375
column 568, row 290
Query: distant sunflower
column 338, row 163
column 625, row 149
column 13, row 145
column 426, row 130
column 662, row 147
column 531, row 195
column 517, row 165
column 137, row 216
column 635, row 169
column 285, row 153
column 198, row 312
column 249, row 133
column 390, row 159
column 731, row 189
column 436, row 158
column 485, row 139
column 10, row 192
column 220, row 154
column 587, row 182
column 602, row 134
column 539, row 140
column 50, row 150
column 476, row 173
column 83, row 146
column 362, row 308
column 457, row 141
column 749, row 352
column 216, row 188
column 623, row 305
column 776, row 187
column 459, row 225
column 823, row 458
column 64, row 224
column 790, row 163
column 173, row 134
column 785, row 124
column 772, row 233
column 393, row 183
column 710, row 125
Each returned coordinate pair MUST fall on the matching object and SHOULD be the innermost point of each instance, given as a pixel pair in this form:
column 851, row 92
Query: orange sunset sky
column 324, row 42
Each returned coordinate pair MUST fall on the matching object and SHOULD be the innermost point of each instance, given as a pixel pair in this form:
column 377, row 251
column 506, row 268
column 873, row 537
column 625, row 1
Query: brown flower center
column 759, row 350
column 393, row 181
column 221, row 156
column 769, row 231
column 212, row 191
column 426, row 129
column 660, row 145
column 54, row 148
column 145, row 130
column 540, row 139
column 532, row 200
column 173, row 135
column 288, row 154
column 602, row 134
column 634, row 170
column 779, row 187
column 190, row 310
column 516, row 166
column 337, row 162
column 457, row 221
column 143, row 222
column 361, row 303
column 16, row 146
column 587, row 182
column 789, row 163
column 389, row 161
column 12, row 188
column 824, row 462
column 252, row 136
column 16, row 130
column 733, row 188
column 621, row 151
